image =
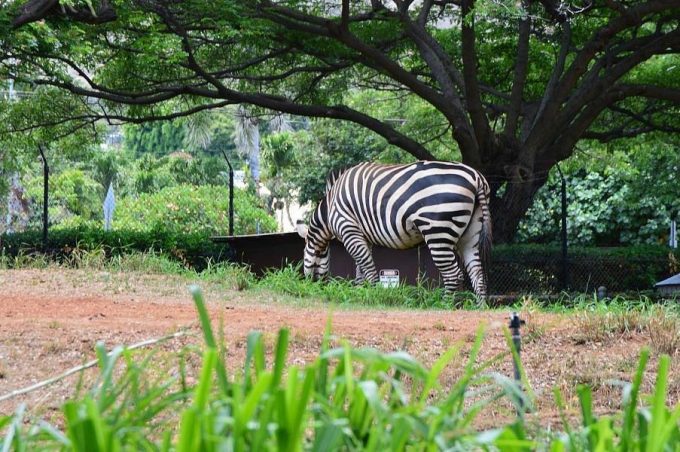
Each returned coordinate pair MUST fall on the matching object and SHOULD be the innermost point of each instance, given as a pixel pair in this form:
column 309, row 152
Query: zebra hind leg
column 445, row 258
column 469, row 248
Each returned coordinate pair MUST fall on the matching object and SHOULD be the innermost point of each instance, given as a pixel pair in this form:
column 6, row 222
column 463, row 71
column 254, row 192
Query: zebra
column 399, row 206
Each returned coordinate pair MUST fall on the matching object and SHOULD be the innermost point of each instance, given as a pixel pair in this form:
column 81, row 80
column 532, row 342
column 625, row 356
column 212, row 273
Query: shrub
column 73, row 194
column 187, row 209
column 194, row 249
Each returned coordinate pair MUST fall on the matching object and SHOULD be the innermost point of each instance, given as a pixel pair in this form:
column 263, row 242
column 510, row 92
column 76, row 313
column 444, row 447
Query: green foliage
column 302, row 160
column 110, row 166
column 85, row 244
column 203, row 54
column 152, row 175
column 72, row 193
column 149, row 174
column 624, row 198
column 157, row 139
column 208, row 133
column 297, row 162
column 36, row 119
column 192, row 209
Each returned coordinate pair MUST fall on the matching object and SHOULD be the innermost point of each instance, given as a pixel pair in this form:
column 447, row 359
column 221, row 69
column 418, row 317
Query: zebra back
column 333, row 177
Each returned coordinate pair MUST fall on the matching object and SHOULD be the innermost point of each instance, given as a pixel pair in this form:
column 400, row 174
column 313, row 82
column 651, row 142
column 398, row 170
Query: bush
column 73, row 194
column 187, row 209
column 194, row 249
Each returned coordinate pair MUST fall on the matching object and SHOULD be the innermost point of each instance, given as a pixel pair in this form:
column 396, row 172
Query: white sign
column 109, row 206
column 673, row 240
column 239, row 178
column 389, row 278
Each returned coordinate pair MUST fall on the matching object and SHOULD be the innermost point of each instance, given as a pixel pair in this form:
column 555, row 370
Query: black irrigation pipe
column 515, row 325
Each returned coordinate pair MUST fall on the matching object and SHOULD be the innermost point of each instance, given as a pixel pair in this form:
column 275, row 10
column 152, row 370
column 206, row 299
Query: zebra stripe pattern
column 400, row 206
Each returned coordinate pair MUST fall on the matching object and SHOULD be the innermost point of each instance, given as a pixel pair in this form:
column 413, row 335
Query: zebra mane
column 333, row 176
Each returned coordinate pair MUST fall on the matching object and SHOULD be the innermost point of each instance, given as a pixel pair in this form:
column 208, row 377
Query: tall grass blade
column 280, row 358
column 322, row 362
column 254, row 356
column 630, row 400
column 12, row 437
column 559, row 401
column 208, row 335
column 586, row 399
column 655, row 438
column 191, row 435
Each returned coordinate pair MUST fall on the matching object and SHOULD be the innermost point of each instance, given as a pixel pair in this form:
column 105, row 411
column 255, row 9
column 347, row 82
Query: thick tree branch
column 600, row 40
column 604, row 77
column 35, row 10
column 521, row 66
column 279, row 104
column 621, row 133
column 449, row 79
column 580, row 125
column 649, row 91
column 548, row 96
column 473, row 98
column 369, row 55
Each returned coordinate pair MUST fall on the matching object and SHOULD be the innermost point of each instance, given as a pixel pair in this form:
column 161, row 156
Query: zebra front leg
column 359, row 276
column 360, row 250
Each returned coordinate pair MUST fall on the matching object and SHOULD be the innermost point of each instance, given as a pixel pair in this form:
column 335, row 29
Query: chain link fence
column 550, row 274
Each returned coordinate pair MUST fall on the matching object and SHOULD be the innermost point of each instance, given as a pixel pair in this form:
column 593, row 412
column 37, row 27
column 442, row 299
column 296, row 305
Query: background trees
column 620, row 193
column 513, row 86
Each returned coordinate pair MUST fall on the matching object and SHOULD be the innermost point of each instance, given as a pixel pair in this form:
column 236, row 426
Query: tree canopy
column 515, row 85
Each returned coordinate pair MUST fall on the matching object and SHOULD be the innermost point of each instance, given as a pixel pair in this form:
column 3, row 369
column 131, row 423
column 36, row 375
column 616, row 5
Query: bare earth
column 51, row 319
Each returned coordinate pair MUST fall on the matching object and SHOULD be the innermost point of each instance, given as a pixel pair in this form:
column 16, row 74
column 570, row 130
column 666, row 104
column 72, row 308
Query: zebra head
column 317, row 238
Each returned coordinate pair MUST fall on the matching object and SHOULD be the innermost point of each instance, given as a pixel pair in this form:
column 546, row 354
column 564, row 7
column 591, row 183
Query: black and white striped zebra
column 400, row 206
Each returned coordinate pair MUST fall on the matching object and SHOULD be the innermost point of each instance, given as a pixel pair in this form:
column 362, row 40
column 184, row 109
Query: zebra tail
column 486, row 234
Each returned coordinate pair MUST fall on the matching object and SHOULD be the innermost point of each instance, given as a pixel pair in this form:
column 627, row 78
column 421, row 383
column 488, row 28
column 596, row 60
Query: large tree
column 516, row 83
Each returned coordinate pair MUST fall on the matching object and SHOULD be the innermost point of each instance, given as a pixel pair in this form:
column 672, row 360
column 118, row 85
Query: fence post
column 231, row 195
column 46, row 185
column 564, row 279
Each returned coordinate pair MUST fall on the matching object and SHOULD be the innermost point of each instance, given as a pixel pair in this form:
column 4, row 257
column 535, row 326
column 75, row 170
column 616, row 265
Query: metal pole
column 515, row 324
column 231, row 194
column 46, row 177
column 565, row 257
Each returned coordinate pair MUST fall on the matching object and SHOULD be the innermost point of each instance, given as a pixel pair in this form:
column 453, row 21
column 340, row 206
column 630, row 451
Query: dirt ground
column 51, row 319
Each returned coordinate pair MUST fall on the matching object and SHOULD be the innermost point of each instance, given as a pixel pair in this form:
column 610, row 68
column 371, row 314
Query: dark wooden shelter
column 267, row 251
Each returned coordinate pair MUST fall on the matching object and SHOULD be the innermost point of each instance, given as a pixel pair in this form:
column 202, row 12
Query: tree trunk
column 513, row 187
column 508, row 209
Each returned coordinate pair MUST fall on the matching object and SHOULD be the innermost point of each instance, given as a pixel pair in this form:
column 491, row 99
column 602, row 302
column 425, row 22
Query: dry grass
column 664, row 332
column 603, row 326
column 660, row 326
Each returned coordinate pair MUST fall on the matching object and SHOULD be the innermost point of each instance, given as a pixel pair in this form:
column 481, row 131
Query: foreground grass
column 346, row 399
